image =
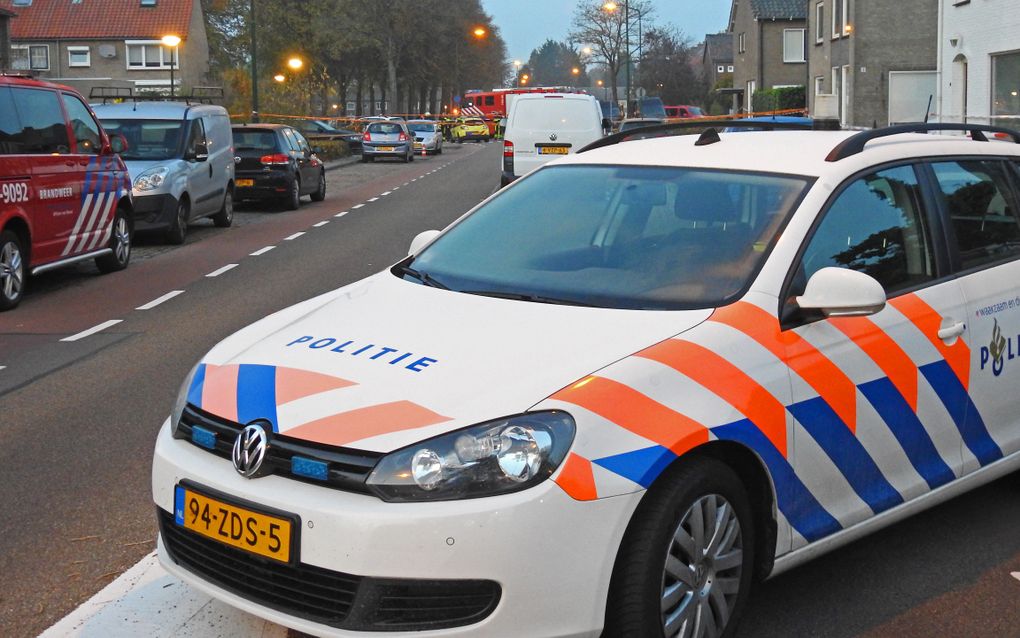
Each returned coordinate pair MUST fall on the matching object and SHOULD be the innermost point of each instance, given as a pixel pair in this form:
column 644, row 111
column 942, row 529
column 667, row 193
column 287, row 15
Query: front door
column 101, row 185
column 201, row 185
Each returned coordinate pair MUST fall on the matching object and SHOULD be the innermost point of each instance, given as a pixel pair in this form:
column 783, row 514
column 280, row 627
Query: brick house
column 979, row 62
column 769, row 45
column 876, row 57
column 5, row 38
column 717, row 58
column 87, row 43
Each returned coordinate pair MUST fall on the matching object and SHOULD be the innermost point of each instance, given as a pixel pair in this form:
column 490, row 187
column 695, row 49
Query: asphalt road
column 78, row 419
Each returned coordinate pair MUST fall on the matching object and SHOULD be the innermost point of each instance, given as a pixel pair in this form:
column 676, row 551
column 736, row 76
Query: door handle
column 951, row 331
column 210, row 170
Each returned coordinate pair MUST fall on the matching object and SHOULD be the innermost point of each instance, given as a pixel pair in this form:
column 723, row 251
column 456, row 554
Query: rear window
column 422, row 127
column 384, row 128
column 254, row 140
column 555, row 114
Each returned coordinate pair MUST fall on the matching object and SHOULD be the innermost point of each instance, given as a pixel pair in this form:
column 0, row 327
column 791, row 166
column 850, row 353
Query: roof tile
column 98, row 19
column 780, row 9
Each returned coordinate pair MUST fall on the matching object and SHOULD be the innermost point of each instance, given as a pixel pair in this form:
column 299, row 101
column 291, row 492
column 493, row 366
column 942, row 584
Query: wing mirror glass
column 200, row 154
column 421, row 240
column 118, row 144
column 840, row 292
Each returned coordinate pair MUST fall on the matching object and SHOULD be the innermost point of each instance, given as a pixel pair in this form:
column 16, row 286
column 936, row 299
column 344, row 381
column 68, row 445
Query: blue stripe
column 256, row 394
column 179, row 505
column 793, row 499
column 641, row 466
column 909, row 431
column 197, row 383
column 847, row 453
column 90, row 179
column 963, row 411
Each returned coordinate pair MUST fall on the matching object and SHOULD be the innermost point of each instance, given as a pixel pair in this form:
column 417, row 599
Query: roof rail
column 110, row 93
column 854, row 145
column 199, row 95
column 644, row 131
column 206, row 93
column 18, row 74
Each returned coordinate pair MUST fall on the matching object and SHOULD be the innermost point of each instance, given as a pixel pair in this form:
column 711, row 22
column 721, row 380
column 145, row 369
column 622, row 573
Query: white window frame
column 819, row 85
column 741, row 44
column 803, row 48
column 28, row 48
column 820, row 22
column 163, row 57
column 837, row 24
column 77, row 49
column 729, row 68
column 846, row 18
column 721, row 68
column 752, row 86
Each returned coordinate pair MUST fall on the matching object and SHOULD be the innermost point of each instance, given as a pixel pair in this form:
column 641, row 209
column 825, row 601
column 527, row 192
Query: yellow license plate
column 552, row 150
column 255, row 532
column 245, row 182
column 386, row 148
column 419, row 145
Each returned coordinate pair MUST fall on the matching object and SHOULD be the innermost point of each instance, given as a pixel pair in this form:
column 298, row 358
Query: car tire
column 410, row 158
column 320, row 193
column 178, row 230
column 292, row 201
column 225, row 217
column 12, row 270
column 406, row 158
column 689, row 549
column 120, row 244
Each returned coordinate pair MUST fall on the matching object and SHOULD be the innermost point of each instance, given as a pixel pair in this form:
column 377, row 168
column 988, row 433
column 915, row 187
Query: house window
column 793, row 45
column 35, row 57
column 740, row 44
column 720, row 69
column 837, row 18
column 1006, row 84
column 729, row 69
column 149, row 54
column 79, row 56
column 820, row 85
column 148, row 3
column 819, row 23
column 751, row 86
column 22, row 3
column 847, row 27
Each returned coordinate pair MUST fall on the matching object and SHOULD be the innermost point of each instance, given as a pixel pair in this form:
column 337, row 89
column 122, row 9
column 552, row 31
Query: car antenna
column 710, row 136
column 927, row 112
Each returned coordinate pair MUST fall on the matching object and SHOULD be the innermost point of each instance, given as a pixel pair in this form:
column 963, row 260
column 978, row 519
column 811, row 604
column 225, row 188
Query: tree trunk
column 371, row 98
column 391, row 69
column 359, row 97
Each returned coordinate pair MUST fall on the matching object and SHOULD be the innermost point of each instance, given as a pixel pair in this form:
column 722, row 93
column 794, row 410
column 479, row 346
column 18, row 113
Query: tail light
column 508, row 157
column 403, row 137
column 367, row 137
column 508, row 148
column 276, row 159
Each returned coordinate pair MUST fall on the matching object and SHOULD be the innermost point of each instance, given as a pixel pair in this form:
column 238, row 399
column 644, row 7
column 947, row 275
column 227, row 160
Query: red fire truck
column 495, row 104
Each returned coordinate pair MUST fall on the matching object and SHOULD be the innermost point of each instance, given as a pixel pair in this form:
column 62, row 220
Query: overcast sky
column 526, row 24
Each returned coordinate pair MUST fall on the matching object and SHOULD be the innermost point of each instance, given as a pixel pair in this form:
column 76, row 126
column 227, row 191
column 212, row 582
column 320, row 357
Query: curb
column 340, row 163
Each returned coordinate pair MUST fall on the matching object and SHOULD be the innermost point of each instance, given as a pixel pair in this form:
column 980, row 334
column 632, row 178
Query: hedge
column 792, row 97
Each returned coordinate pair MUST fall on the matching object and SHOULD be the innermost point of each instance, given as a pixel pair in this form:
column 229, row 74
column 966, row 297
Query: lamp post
column 173, row 42
column 254, row 65
column 517, row 72
column 611, row 7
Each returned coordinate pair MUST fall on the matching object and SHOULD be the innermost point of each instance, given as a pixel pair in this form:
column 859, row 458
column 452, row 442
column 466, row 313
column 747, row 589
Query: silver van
column 181, row 162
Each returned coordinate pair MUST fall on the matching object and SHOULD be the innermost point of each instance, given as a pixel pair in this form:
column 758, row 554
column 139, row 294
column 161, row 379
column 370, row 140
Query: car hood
column 385, row 363
column 137, row 167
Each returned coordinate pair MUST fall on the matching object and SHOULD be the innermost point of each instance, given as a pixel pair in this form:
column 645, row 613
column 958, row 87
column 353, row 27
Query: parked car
column 387, row 138
column 782, row 119
column 427, row 136
column 683, row 111
column 610, row 110
column 274, row 161
column 65, row 195
column 471, row 129
column 316, row 130
column 679, row 365
column 544, row 126
column 179, row 156
column 638, row 122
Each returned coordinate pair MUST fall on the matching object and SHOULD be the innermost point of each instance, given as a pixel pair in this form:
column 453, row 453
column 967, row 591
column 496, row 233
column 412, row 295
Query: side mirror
column 200, row 154
column 839, row 292
column 421, row 240
column 118, row 144
column 607, row 125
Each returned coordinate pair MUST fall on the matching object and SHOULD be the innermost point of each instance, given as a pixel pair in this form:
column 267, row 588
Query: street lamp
column 525, row 78
column 279, row 77
column 480, row 32
column 295, row 63
column 173, row 42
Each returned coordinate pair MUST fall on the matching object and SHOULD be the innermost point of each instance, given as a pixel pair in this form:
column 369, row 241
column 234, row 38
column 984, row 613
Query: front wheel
column 179, row 226
column 12, row 270
column 120, row 244
column 685, row 565
column 225, row 217
column 320, row 193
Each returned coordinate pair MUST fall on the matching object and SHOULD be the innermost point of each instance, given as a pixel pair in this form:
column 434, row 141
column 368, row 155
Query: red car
column 684, row 111
column 65, row 195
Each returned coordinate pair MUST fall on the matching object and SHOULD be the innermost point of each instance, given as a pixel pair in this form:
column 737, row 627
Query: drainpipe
column 940, row 68
column 760, row 84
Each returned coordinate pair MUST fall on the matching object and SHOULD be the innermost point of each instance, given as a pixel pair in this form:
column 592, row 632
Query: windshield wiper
column 423, row 277
column 532, row 298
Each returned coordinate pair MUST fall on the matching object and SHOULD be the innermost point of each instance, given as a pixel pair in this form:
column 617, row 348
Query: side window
column 84, row 127
column 10, row 125
column 196, row 138
column 302, row 143
column 42, row 120
column 875, row 226
column 981, row 210
column 291, row 142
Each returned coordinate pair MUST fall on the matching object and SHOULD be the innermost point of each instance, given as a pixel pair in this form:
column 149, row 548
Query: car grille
column 344, row 469
column 328, row 597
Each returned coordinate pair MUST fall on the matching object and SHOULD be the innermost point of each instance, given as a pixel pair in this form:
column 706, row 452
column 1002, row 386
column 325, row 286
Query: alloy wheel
column 122, row 240
column 12, row 271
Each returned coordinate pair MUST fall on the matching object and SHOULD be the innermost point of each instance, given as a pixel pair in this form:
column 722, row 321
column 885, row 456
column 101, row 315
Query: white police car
column 615, row 393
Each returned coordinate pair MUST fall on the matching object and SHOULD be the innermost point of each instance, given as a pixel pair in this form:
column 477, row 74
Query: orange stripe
column 631, row 410
column 219, row 391
column 293, row 384
column 354, row 425
column 577, row 479
column 837, row 389
column 884, row 351
column 728, row 382
column 928, row 322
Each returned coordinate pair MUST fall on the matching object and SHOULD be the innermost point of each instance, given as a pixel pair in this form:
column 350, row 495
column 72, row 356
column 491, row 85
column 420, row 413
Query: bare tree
column 605, row 31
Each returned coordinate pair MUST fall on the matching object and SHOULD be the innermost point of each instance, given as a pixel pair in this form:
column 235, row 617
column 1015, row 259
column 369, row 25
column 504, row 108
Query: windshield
column 421, row 127
column 619, row 237
column 148, row 140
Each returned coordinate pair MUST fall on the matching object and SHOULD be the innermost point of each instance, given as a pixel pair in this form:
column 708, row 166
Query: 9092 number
column 14, row 193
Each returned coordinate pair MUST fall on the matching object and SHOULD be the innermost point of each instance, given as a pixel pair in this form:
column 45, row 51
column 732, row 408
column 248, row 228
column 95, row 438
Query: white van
column 544, row 126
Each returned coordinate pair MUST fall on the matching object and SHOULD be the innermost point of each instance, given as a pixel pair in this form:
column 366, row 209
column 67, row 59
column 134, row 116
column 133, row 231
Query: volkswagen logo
column 250, row 450
column 553, row 137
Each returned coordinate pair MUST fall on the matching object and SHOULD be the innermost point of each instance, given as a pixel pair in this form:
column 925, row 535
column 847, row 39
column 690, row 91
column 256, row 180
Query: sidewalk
column 146, row 601
column 343, row 161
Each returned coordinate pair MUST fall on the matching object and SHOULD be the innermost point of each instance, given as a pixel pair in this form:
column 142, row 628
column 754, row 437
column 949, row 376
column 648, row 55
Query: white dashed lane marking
column 262, row 251
column 385, row 194
column 155, row 302
column 294, row 236
column 93, row 330
column 373, row 199
column 340, row 214
column 1015, row 575
column 321, row 224
column 220, row 271
column 3, row 367
column 356, row 206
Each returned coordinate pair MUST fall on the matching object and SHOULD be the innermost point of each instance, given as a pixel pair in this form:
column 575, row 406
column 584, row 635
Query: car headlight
column 182, row 399
column 151, row 179
column 496, row 457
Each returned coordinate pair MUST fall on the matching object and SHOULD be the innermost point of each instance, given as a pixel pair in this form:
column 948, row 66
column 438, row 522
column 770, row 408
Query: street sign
column 641, row 92
column 456, row 99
